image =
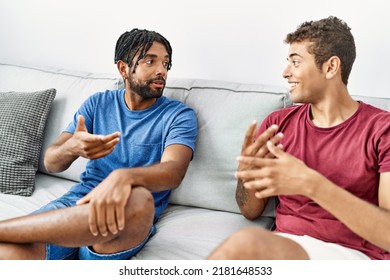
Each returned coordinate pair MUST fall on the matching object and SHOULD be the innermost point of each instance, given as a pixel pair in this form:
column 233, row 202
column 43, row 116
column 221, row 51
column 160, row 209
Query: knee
column 247, row 237
column 140, row 204
column 243, row 244
column 139, row 215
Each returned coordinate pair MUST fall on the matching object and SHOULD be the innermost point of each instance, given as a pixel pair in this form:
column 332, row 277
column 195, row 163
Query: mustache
column 156, row 79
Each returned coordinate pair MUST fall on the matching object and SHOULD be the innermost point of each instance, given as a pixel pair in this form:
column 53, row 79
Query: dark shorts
column 55, row 252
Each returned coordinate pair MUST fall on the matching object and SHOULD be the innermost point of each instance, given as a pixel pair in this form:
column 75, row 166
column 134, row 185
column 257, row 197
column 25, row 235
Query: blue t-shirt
column 144, row 135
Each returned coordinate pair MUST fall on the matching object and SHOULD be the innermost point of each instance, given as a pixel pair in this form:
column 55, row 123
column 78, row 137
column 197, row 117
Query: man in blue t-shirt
column 139, row 145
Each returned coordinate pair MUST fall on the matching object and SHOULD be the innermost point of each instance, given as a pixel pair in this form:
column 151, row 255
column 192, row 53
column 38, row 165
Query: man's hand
column 107, row 204
column 68, row 147
column 258, row 147
column 92, row 146
column 281, row 175
column 250, row 206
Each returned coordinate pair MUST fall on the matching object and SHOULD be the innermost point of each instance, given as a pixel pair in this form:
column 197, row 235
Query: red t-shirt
column 351, row 155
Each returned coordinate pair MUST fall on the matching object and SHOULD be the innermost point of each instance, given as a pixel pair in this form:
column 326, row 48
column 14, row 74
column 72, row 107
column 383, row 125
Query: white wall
column 239, row 40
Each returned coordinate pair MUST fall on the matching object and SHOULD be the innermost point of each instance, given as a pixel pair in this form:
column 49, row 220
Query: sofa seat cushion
column 47, row 188
column 185, row 233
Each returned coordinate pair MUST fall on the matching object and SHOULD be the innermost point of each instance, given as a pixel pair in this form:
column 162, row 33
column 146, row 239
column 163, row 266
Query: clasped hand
column 265, row 168
column 107, row 203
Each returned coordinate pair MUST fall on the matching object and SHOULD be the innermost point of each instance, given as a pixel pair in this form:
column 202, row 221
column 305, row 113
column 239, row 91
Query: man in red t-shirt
column 327, row 160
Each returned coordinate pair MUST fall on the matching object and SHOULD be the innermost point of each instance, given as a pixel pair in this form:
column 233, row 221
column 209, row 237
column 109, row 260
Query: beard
column 144, row 90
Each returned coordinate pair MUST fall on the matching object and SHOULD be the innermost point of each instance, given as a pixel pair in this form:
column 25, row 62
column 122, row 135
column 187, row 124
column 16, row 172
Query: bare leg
column 258, row 244
column 25, row 237
column 31, row 251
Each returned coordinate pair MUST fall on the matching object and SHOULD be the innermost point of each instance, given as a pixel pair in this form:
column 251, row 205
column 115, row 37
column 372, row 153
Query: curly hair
column 329, row 37
column 139, row 41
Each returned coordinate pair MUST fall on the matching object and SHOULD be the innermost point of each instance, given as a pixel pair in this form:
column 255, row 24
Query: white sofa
column 202, row 211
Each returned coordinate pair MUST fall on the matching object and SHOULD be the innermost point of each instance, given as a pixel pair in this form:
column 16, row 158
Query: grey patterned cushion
column 22, row 121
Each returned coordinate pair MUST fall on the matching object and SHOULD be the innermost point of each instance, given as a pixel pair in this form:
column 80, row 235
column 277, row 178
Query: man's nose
column 286, row 72
column 161, row 70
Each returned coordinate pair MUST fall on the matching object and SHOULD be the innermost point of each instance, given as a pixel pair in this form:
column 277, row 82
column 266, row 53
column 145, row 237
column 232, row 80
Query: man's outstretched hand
column 92, row 146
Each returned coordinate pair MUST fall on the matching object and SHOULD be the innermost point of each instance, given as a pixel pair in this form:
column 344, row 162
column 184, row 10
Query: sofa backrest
column 72, row 89
column 224, row 111
column 380, row 102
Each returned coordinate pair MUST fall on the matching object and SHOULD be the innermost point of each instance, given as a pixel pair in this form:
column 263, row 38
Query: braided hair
column 139, row 41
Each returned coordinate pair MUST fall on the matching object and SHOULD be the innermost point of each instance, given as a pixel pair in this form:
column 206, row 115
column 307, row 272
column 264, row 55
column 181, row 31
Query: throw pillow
column 22, row 121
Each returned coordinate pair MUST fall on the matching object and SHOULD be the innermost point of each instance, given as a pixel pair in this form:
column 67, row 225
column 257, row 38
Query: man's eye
column 149, row 61
column 166, row 64
column 295, row 62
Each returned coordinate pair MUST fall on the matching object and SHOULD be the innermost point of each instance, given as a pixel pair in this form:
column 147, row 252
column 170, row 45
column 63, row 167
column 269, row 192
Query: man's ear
column 332, row 67
column 122, row 68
